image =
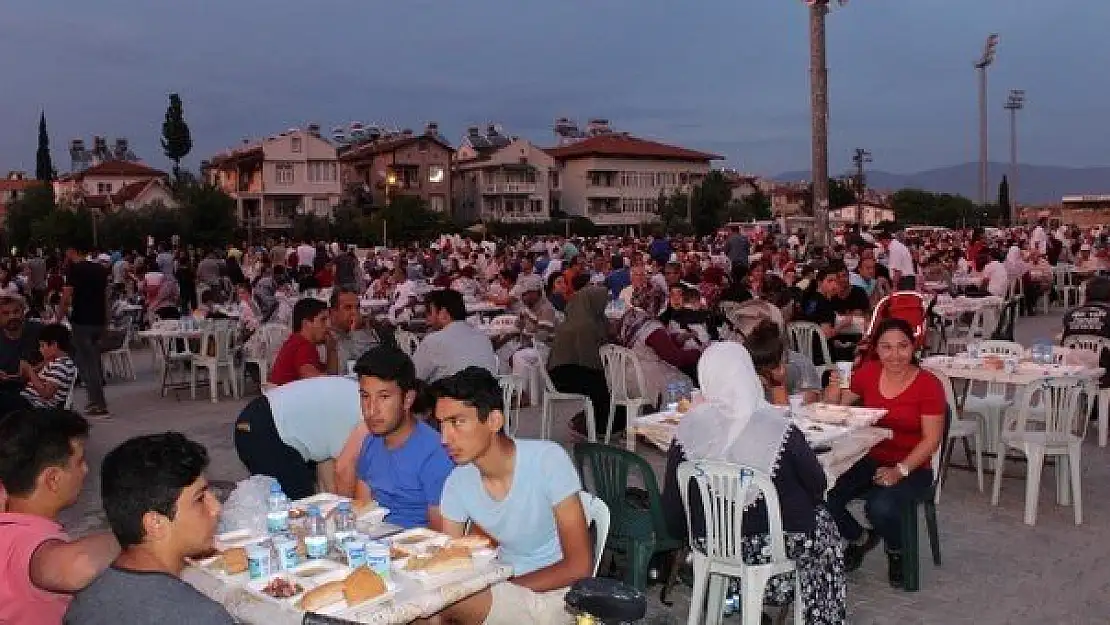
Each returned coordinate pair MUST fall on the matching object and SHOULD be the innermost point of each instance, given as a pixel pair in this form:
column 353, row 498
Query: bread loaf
column 322, row 596
column 471, row 542
column 362, row 585
column 235, row 560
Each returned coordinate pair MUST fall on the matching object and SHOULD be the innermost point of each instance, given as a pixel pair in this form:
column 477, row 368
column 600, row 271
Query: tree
column 709, row 203
column 756, row 206
column 176, row 140
column 20, row 217
column 1004, row 197
column 208, row 214
column 44, row 165
column 841, row 194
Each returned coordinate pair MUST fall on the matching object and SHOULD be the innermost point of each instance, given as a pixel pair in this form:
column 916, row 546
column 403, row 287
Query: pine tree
column 44, row 166
column 1004, row 198
column 176, row 140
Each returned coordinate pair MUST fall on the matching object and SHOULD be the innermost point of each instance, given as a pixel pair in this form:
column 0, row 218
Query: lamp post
column 1014, row 103
column 860, row 158
column 982, row 64
column 390, row 183
column 819, row 111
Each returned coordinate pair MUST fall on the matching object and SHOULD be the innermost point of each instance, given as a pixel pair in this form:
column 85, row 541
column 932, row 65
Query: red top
column 295, row 352
column 924, row 396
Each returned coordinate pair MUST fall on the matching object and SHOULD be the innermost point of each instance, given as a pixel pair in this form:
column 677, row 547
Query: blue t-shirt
column 524, row 522
column 409, row 479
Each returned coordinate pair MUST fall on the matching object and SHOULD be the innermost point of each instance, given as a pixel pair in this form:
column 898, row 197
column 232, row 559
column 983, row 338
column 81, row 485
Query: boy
column 50, row 383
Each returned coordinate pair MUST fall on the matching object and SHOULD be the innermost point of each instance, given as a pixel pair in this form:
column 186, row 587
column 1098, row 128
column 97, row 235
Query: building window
column 435, row 173
column 321, row 206
column 321, row 171
column 284, row 172
column 439, row 203
column 103, row 188
column 296, row 144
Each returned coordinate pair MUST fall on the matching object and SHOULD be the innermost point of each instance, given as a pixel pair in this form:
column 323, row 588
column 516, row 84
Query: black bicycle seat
column 608, row 600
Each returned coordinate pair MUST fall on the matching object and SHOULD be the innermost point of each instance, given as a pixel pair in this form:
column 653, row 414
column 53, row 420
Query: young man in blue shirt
column 402, row 464
column 521, row 493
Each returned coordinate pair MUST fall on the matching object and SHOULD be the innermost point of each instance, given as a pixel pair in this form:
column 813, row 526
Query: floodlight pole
column 1014, row 103
column 982, row 64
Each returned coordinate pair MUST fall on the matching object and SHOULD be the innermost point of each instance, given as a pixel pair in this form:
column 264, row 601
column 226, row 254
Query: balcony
column 510, row 188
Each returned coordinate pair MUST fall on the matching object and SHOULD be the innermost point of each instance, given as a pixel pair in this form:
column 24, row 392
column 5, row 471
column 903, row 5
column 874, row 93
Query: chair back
column 504, row 321
column 1004, row 327
column 1086, row 344
column 273, row 335
column 623, row 373
column 801, row 335
column 1065, row 400
column 407, row 341
column 724, row 487
column 512, row 391
column 1001, row 348
column 597, row 514
column 609, row 471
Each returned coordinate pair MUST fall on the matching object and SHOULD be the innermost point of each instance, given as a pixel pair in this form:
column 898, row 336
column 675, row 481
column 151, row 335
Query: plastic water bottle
column 670, row 397
column 344, row 523
column 277, row 513
column 316, row 542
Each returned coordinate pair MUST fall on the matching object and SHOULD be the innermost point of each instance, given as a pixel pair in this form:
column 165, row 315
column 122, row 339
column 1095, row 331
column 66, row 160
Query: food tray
column 478, row 558
column 340, row 608
column 255, row 586
column 416, row 540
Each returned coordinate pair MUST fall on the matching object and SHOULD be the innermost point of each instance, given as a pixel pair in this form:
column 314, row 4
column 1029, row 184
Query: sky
column 725, row 76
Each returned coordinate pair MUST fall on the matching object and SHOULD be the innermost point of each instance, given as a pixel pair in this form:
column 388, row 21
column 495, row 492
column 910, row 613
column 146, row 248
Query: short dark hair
column 1098, row 289
column 766, row 345
column 450, row 300
column 147, row 474
column 333, row 301
column 580, row 281
column 306, row 309
column 57, row 334
column 388, row 363
column 473, row 386
column 32, row 441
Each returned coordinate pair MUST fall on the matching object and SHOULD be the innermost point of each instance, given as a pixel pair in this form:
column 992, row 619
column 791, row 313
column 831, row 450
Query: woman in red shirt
column 897, row 471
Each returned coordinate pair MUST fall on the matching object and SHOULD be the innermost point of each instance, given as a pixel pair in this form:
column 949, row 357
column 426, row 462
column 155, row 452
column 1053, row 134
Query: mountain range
column 1036, row 184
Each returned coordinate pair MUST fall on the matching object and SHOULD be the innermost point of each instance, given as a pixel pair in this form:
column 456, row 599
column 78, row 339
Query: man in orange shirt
column 299, row 357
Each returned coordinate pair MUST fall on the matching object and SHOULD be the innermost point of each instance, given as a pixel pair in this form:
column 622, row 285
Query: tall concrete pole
column 982, row 64
column 1014, row 103
column 819, row 102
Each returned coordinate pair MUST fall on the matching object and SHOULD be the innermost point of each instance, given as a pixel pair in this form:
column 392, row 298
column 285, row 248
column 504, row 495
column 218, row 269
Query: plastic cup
column 844, row 368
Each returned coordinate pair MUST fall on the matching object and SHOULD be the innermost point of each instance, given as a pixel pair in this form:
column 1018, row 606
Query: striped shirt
column 61, row 372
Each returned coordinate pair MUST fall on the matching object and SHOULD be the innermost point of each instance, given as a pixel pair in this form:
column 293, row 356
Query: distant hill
column 1038, row 184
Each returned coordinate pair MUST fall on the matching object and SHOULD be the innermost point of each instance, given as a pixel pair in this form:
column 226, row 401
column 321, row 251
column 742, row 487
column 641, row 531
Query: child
column 50, row 383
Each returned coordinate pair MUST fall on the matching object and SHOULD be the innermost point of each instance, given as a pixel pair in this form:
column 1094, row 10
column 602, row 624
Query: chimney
column 314, row 129
column 472, row 131
column 491, row 130
column 432, row 128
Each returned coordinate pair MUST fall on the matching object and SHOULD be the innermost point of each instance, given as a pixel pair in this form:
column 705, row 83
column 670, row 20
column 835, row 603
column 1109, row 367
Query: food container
column 258, row 561
column 354, row 549
column 377, row 558
column 316, row 546
column 287, row 557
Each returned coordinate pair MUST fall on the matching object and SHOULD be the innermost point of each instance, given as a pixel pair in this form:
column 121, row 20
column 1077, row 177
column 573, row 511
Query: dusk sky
column 727, row 76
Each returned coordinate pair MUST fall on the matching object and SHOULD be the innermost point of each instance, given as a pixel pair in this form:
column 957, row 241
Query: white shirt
column 306, row 255
column 899, row 258
column 450, row 350
column 997, row 278
column 1040, row 239
column 316, row 415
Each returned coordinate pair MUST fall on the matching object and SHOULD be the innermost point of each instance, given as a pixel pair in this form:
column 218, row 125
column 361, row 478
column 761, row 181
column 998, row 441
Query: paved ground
column 996, row 569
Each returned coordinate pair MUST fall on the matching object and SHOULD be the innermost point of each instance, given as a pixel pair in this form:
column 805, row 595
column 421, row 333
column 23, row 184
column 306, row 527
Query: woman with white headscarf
column 736, row 424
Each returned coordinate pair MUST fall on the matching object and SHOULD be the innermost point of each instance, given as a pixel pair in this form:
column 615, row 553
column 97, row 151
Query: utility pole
column 860, row 158
column 819, row 105
column 982, row 64
column 1014, row 103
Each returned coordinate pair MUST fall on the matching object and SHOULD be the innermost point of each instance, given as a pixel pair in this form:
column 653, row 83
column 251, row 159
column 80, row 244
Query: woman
column 557, row 291
column 737, row 425
column 642, row 292
column 575, row 362
column 166, row 301
column 897, row 471
column 661, row 358
column 466, row 284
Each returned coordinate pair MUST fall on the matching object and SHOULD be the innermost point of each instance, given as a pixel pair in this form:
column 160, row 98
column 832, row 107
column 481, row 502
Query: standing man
column 900, row 263
column 737, row 249
column 86, row 290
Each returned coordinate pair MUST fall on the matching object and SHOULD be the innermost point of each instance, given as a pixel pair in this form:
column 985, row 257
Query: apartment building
column 112, row 184
column 864, row 213
column 404, row 163
column 276, row 178
column 789, row 199
column 508, row 179
column 12, row 189
column 616, row 179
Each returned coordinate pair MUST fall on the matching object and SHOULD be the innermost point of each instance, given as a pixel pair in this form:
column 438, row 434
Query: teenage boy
column 42, row 468
column 522, row 493
column 401, row 464
column 159, row 507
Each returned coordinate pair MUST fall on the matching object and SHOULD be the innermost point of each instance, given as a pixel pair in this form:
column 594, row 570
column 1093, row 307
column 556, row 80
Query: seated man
column 401, row 463
column 292, row 432
column 42, row 468
column 159, row 507
column 522, row 493
column 18, row 344
column 455, row 344
column 353, row 338
column 50, row 383
column 299, row 357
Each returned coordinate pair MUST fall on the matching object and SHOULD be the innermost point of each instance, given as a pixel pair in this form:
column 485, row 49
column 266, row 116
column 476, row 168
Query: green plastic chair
column 911, row 547
column 638, row 533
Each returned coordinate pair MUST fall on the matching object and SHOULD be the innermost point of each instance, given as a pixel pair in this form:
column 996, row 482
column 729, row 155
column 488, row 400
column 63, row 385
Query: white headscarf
column 735, row 424
column 1015, row 266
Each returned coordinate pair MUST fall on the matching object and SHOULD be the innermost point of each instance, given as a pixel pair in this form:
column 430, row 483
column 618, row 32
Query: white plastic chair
column 1063, row 282
column 1064, row 428
column 970, row 430
column 222, row 338
column 118, row 360
column 512, row 390
column 503, row 321
column 801, row 336
column 273, row 335
column 553, row 396
column 1095, row 345
column 597, row 514
column 984, row 322
column 620, row 363
column 407, row 341
column 724, row 488
column 993, row 404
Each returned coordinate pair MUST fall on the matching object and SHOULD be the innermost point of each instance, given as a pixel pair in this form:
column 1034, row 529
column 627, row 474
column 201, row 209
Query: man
column 293, row 432
column 208, row 272
column 306, row 255
column 159, row 507
column 50, row 383
column 852, row 300
column 900, row 262
column 42, row 467
column 864, row 276
column 86, row 290
column 522, row 493
column 536, row 322
column 737, row 248
column 1093, row 318
column 454, row 344
column 17, row 346
column 401, row 464
column 352, row 339
column 346, row 270
column 299, row 357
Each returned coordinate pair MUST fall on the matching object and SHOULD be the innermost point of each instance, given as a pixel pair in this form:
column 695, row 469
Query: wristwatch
column 902, row 469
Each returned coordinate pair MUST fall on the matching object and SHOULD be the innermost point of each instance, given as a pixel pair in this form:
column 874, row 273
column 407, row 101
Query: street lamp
column 819, row 105
column 982, row 64
column 860, row 158
column 1014, row 103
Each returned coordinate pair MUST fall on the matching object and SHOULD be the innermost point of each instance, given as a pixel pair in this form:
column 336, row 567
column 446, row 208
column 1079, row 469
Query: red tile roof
column 389, row 144
column 118, row 168
column 17, row 185
column 626, row 146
